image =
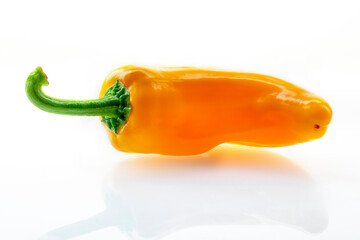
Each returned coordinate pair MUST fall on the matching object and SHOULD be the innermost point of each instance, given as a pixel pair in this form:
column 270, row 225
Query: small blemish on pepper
column 317, row 126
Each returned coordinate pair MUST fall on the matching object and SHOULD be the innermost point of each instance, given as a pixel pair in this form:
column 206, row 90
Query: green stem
column 114, row 107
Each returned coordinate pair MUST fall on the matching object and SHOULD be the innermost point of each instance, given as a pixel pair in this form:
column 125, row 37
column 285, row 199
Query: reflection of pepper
column 186, row 110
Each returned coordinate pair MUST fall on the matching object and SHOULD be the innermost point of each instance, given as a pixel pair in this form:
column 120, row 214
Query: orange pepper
column 188, row 110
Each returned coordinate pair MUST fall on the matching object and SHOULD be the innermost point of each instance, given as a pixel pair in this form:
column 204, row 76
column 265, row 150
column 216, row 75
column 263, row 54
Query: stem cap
column 119, row 91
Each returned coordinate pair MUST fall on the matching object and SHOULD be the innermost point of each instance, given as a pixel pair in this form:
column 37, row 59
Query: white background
column 52, row 167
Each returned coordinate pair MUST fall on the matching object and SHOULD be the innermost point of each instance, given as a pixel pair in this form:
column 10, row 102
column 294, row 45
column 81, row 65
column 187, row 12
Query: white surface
column 52, row 167
column 152, row 197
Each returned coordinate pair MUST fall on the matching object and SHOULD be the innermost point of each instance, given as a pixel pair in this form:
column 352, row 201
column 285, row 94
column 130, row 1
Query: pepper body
column 187, row 111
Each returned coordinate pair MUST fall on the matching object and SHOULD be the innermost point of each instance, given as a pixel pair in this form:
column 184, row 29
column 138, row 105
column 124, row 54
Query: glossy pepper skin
column 188, row 110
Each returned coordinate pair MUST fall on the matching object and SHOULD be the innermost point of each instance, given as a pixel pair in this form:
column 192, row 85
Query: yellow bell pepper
column 188, row 110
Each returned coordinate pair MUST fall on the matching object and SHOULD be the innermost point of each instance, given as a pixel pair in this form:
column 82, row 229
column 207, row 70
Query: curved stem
column 114, row 107
column 106, row 106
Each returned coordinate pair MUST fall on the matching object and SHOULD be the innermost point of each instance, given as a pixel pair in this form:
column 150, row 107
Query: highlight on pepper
column 189, row 110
